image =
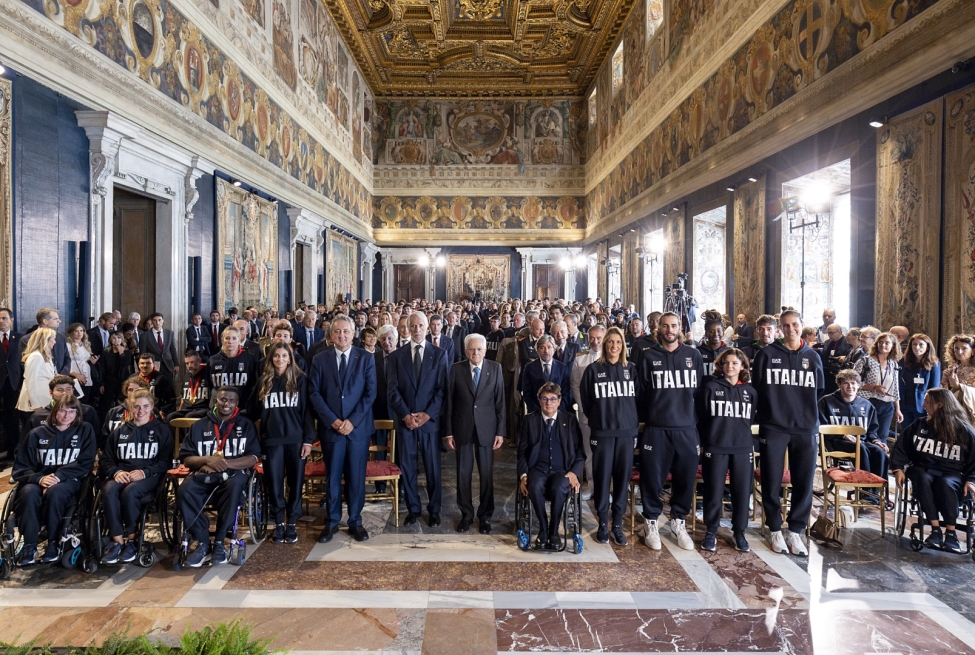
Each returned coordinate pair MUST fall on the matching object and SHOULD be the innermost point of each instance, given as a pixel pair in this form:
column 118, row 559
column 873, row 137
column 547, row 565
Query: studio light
column 441, row 261
column 817, row 198
column 731, row 189
column 581, row 260
column 424, row 261
column 876, row 124
column 657, row 244
column 565, row 263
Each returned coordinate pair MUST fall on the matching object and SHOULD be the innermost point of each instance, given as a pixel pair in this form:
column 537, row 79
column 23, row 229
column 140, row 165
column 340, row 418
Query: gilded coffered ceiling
column 479, row 47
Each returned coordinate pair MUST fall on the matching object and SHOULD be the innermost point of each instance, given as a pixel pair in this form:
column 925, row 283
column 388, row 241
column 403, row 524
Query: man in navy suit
column 437, row 338
column 565, row 350
column 416, row 380
column 98, row 335
column 306, row 333
column 544, row 369
column 215, row 328
column 11, row 377
column 198, row 337
column 48, row 317
column 343, row 389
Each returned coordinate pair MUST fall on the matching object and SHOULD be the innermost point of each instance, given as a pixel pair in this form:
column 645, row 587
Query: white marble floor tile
column 213, row 598
column 714, row 592
column 517, row 600
column 461, row 599
column 218, row 576
column 604, row 600
column 667, row 600
column 954, row 623
column 59, row 597
column 125, row 576
column 330, row 599
column 783, row 565
column 880, row 601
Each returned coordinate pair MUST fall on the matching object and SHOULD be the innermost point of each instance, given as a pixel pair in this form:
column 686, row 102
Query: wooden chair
column 786, row 495
column 180, row 426
column 836, row 478
column 385, row 470
column 635, row 483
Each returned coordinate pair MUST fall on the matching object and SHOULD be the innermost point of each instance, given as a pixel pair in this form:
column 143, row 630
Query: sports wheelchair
column 76, row 549
column 99, row 538
column 526, row 523
column 253, row 505
column 906, row 505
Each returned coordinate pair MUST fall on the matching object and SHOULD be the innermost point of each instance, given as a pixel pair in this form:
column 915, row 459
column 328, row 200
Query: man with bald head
column 526, row 345
column 245, row 340
column 829, row 317
column 834, row 353
column 902, row 334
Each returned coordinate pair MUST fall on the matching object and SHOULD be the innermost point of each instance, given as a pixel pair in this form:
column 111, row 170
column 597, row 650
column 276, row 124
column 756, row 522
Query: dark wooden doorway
column 134, row 252
column 408, row 282
column 548, row 281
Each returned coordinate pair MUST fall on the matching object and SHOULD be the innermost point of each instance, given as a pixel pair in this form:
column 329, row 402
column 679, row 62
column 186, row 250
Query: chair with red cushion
column 836, row 478
column 384, row 470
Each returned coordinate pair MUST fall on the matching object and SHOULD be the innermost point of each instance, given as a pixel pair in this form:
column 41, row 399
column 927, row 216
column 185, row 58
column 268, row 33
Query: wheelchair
column 76, row 549
column 252, row 506
column 526, row 523
column 906, row 505
column 99, row 538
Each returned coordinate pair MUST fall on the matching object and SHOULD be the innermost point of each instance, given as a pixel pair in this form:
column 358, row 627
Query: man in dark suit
column 437, row 338
column 160, row 342
column 198, row 337
column 306, row 333
column 343, row 388
column 416, row 378
column 11, row 377
column 456, row 333
column 475, row 427
column 544, row 369
column 246, row 343
column 48, row 317
column 551, row 457
column 215, row 329
column 744, row 334
column 98, row 335
column 565, row 350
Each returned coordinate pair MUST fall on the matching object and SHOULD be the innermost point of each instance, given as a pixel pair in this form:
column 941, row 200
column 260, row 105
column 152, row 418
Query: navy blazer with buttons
column 349, row 400
column 406, row 396
column 569, row 351
column 12, row 368
column 570, row 436
column 447, row 345
column 301, row 335
column 532, row 379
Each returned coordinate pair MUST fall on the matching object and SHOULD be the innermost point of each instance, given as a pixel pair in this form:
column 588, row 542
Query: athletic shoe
column 618, row 535
column 219, row 554
column 199, row 556
column 741, row 543
column 710, row 542
column 679, row 529
column 129, row 552
column 277, row 536
column 795, row 544
column 602, row 534
column 651, row 536
column 111, row 553
column 934, row 539
column 291, row 534
column 586, row 492
column 28, row 555
column 52, row 553
column 951, row 542
column 777, row 543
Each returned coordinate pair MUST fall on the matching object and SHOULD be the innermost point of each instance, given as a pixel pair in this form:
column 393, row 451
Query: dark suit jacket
column 406, row 395
column 12, row 368
column 349, row 399
column 569, row 352
column 479, row 414
column 214, row 346
column 457, row 335
column 168, row 358
column 447, row 345
column 380, row 408
column 532, row 379
column 530, row 440
column 301, row 335
column 201, row 344
column 254, row 348
column 95, row 339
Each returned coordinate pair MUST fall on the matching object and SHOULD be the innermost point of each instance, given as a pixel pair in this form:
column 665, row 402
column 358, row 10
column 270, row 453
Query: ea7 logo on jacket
column 57, row 456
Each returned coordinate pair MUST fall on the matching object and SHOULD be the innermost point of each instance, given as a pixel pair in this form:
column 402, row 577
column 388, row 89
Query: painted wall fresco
column 488, row 274
column 457, row 133
column 959, row 273
column 479, row 213
column 155, row 41
column 908, row 219
column 749, row 246
column 803, row 42
column 6, row 196
column 247, row 250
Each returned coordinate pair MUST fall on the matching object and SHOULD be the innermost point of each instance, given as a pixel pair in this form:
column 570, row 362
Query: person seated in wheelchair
column 49, row 471
column 551, row 457
column 119, row 414
column 59, row 386
column 134, row 460
column 220, row 450
column 937, row 454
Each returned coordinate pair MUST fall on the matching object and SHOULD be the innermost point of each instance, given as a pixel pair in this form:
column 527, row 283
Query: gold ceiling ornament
column 450, row 48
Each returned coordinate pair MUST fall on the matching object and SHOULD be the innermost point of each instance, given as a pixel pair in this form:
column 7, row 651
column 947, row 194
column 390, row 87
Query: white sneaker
column 796, row 545
column 777, row 542
column 651, row 536
column 679, row 530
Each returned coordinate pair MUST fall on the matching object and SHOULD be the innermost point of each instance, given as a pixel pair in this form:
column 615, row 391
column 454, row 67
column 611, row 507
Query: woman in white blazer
column 38, row 371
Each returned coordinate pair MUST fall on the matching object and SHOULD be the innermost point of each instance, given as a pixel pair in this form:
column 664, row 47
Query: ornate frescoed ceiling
column 479, row 47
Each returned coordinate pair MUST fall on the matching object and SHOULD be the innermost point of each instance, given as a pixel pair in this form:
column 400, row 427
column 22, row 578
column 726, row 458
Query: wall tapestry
column 959, row 274
column 749, row 245
column 675, row 257
column 478, row 213
column 6, row 203
column 909, row 219
column 470, row 274
column 340, row 264
column 247, row 250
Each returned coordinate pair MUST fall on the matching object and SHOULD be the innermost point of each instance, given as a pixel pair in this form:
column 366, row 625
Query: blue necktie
column 548, row 374
column 477, row 376
column 342, row 367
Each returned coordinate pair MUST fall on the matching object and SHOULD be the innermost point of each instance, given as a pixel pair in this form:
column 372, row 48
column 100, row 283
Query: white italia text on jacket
column 614, row 389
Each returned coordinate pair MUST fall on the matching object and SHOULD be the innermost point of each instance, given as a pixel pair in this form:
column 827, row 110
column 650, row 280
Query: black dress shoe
column 464, row 525
column 358, row 532
column 485, row 527
column 434, row 520
column 411, row 518
column 326, row 535
column 554, row 541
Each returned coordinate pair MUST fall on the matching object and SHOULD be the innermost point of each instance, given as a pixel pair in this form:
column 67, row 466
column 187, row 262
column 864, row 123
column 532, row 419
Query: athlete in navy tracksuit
column 670, row 376
column 608, row 393
column 788, row 376
column 845, row 407
column 711, row 347
column 725, row 410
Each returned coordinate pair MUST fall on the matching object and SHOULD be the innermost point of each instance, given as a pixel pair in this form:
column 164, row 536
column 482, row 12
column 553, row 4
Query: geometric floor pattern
column 431, row 591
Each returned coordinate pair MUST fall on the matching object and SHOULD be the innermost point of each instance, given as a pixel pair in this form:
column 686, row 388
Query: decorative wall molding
column 6, row 195
column 474, row 180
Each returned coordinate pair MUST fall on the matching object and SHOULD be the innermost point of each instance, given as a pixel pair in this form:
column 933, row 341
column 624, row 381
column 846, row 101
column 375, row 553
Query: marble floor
column 427, row 590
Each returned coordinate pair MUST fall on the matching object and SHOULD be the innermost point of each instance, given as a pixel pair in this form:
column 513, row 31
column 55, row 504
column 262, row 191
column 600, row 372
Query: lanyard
column 222, row 437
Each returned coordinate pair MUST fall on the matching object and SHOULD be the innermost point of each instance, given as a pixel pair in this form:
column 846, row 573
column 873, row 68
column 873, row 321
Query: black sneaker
column 28, row 555
column 934, row 539
column 111, row 553
column 291, row 534
column 618, row 535
column 602, row 534
column 129, row 552
column 219, row 555
column 52, row 553
column 200, row 556
column 951, row 542
column 710, row 542
column 278, row 536
column 741, row 543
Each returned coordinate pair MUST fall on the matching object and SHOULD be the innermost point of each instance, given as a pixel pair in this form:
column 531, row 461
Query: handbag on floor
column 824, row 531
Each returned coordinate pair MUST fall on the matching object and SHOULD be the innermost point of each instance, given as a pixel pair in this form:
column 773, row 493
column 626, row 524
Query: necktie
column 216, row 336
column 342, row 368
column 436, row 341
column 6, row 344
column 307, row 339
column 548, row 426
column 159, row 341
column 547, row 374
column 416, row 362
column 477, row 376
column 559, row 355
column 104, row 338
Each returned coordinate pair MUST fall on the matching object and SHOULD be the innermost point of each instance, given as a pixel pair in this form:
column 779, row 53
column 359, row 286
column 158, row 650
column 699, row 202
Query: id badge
column 919, row 380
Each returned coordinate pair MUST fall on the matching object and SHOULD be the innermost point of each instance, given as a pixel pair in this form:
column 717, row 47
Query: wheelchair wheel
column 524, row 540
column 166, row 508
column 577, row 544
column 89, row 564
column 71, row 556
column 256, row 508
column 147, row 557
column 95, row 526
column 917, row 544
column 4, row 568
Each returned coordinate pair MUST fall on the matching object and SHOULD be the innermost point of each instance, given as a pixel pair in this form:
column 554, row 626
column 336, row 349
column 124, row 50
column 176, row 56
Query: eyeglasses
column 549, row 399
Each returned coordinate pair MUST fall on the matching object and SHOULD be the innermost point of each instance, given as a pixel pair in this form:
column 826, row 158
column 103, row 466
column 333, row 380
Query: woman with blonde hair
column 82, row 360
column 39, row 368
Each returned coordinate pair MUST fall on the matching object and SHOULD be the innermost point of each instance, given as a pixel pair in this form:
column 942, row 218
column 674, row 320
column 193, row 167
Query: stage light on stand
column 441, row 261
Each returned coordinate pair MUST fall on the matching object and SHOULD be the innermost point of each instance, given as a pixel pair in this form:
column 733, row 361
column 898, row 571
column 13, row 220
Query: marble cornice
column 437, row 237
